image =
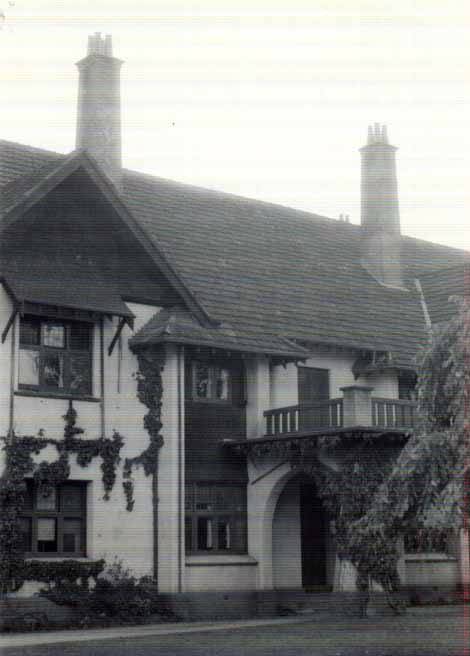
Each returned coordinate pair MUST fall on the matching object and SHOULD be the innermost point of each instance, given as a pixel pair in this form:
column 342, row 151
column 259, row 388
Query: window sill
column 54, row 557
column 429, row 557
column 212, row 560
column 51, row 395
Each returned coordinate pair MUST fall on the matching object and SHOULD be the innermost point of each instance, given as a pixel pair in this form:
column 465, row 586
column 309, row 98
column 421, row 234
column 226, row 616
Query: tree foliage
column 427, row 486
column 381, row 492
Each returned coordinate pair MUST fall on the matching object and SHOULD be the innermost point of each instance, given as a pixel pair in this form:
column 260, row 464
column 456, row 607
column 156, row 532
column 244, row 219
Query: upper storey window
column 55, row 356
column 210, row 382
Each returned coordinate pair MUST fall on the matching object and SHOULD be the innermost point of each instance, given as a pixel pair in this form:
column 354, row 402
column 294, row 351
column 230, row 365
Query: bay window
column 55, row 356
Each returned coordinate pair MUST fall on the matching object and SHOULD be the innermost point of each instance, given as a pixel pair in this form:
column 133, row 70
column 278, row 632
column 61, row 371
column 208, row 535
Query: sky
column 268, row 99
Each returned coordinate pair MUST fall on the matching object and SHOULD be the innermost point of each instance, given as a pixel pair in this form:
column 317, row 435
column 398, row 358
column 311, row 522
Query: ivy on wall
column 19, row 462
column 149, row 392
column 347, row 494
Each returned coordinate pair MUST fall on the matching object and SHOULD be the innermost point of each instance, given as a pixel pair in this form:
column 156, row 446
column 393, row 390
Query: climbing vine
column 19, row 462
column 347, row 493
column 149, row 392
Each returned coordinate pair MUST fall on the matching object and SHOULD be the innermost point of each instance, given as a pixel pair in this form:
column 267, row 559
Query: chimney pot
column 380, row 217
column 99, row 106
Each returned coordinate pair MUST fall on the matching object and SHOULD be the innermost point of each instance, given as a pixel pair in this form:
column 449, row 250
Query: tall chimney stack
column 380, row 217
column 99, row 106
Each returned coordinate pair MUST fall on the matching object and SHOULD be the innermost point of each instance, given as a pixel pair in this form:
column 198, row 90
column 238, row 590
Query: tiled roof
column 75, row 286
column 269, row 270
column 439, row 287
column 179, row 326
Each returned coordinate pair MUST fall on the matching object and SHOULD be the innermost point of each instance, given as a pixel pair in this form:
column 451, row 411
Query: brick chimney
column 380, row 217
column 99, row 106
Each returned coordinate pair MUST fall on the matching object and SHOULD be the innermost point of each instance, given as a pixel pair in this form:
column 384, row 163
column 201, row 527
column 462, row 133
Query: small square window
column 54, row 523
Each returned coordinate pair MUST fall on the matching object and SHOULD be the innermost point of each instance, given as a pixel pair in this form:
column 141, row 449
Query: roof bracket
column 9, row 323
column 121, row 324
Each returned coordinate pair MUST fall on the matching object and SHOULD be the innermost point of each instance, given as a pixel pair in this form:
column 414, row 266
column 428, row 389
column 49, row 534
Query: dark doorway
column 313, row 527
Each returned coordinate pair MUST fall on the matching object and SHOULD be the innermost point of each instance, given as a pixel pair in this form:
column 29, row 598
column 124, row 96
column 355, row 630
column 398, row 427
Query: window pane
column 189, row 497
column 201, row 381
column 222, row 380
column 223, row 534
column 52, row 370
column 204, row 533
column 238, row 536
column 25, row 529
column 188, row 533
column 29, row 332
column 71, row 497
column 80, row 374
column 47, row 534
column 71, row 541
column 204, row 494
column 53, row 334
column 48, row 502
column 80, row 336
column 229, row 497
column 29, row 367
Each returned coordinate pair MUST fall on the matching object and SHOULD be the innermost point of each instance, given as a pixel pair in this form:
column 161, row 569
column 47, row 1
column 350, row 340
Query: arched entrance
column 301, row 543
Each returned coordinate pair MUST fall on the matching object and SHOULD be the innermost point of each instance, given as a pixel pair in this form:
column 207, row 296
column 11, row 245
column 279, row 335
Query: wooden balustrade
column 385, row 413
column 298, row 418
column 393, row 413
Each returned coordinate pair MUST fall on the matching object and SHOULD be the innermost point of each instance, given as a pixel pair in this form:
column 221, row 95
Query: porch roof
column 267, row 443
column 178, row 325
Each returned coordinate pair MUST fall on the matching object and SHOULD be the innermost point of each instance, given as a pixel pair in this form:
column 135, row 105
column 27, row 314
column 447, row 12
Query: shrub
column 118, row 597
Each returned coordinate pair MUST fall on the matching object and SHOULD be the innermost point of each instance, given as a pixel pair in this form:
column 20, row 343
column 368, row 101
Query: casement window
column 55, row 524
column 55, row 356
column 427, row 541
column 211, row 382
column 215, row 517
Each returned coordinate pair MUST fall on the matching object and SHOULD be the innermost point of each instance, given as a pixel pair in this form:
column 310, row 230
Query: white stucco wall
column 430, row 570
column 220, row 572
column 112, row 531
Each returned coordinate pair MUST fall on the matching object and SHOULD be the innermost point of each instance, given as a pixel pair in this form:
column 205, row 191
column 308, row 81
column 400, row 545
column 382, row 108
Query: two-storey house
column 266, row 326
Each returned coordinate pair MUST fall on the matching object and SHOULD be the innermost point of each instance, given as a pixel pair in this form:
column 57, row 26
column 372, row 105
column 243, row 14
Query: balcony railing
column 356, row 408
column 393, row 413
column 298, row 418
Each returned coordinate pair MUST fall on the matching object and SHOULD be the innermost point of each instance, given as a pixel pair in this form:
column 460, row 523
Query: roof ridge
column 228, row 194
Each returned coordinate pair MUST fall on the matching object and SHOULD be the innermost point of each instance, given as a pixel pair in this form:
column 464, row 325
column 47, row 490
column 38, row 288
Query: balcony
column 357, row 407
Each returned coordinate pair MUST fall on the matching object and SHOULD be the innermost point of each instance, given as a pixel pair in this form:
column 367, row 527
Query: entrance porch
column 303, row 549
